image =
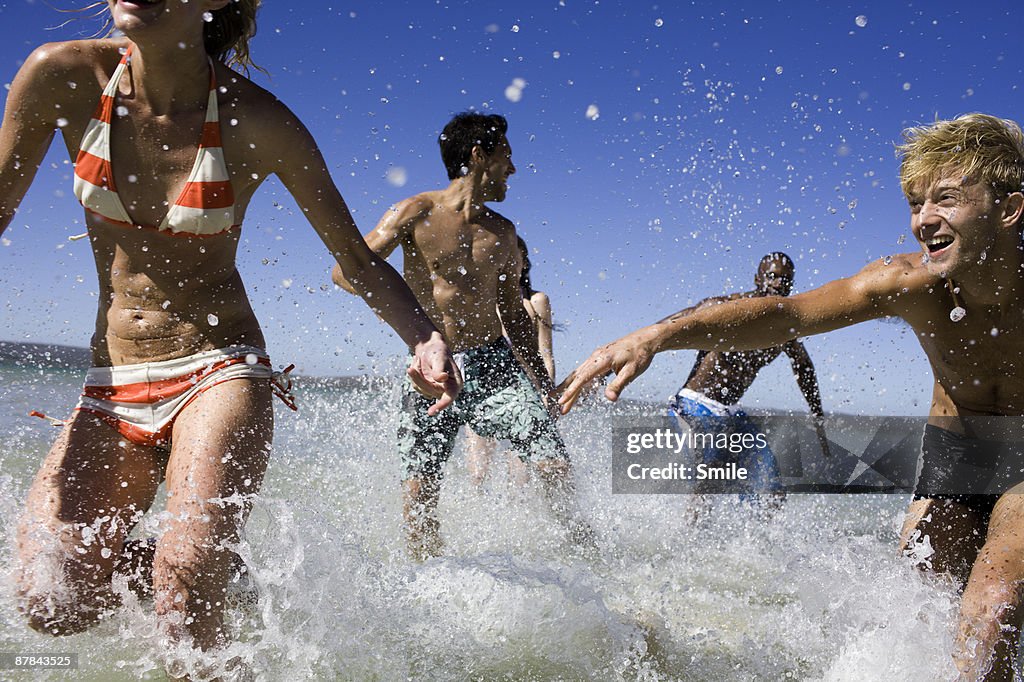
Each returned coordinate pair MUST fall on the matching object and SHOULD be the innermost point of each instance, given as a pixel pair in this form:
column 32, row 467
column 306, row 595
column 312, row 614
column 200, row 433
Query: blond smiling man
column 962, row 296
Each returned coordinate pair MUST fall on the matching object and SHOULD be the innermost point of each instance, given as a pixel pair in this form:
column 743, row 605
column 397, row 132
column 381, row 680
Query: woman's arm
column 30, row 119
column 540, row 305
column 299, row 164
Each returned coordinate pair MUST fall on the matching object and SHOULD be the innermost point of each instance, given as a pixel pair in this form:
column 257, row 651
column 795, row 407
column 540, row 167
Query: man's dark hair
column 465, row 131
column 776, row 256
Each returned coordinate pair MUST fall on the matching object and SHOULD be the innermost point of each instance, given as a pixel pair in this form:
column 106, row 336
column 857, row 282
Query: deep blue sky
column 720, row 134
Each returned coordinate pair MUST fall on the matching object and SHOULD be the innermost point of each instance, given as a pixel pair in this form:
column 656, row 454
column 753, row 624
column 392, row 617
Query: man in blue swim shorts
column 718, row 380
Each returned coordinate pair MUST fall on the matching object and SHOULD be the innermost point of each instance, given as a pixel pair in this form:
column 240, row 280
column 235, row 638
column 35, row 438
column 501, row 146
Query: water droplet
column 659, row 22
column 593, row 113
column 121, row 110
column 957, row 314
column 61, row 122
column 207, row 17
column 778, row 70
column 251, row 359
column 397, row 176
column 213, row 320
column 165, row 305
column 902, row 238
column 887, row 260
column 515, row 28
column 462, row 270
column 861, row 21
column 994, row 331
column 133, row 178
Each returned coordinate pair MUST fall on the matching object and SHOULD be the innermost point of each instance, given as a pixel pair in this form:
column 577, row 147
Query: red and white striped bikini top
column 206, row 205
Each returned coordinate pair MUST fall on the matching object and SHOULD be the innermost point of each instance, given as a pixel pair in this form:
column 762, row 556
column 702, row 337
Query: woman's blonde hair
column 977, row 146
column 226, row 38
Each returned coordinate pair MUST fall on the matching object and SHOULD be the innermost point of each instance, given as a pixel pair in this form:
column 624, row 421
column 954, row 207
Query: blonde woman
column 181, row 386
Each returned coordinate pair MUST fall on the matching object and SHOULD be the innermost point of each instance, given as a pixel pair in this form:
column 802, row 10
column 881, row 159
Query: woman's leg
column 220, row 449
column 91, row 490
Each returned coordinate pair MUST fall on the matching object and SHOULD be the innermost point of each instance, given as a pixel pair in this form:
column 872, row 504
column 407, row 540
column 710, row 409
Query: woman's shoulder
column 540, row 300
column 538, row 305
column 68, row 72
column 103, row 53
column 260, row 109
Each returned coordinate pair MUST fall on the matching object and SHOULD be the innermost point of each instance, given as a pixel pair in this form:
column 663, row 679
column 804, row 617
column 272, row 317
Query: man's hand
column 434, row 373
column 628, row 358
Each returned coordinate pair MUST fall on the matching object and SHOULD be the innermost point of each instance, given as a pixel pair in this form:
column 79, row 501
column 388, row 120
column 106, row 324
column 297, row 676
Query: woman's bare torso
column 161, row 296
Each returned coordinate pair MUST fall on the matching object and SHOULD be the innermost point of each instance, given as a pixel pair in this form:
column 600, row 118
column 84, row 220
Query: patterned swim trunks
column 497, row 401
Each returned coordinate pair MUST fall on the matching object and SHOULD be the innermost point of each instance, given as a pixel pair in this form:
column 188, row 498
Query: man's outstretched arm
column 740, row 324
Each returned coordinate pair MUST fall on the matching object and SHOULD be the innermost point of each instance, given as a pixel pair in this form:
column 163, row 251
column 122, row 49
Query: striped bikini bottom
column 142, row 401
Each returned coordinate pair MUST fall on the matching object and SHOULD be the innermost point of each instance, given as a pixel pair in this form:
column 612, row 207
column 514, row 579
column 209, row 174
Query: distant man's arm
column 807, row 380
column 739, row 324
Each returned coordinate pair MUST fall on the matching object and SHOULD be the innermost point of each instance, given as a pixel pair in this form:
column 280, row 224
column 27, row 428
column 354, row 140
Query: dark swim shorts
column 497, row 401
column 967, row 470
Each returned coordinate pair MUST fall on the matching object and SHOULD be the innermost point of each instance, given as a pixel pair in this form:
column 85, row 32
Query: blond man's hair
column 979, row 147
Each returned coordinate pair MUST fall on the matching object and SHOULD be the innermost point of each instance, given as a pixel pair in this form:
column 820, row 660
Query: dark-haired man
column 719, row 378
column 463, row 264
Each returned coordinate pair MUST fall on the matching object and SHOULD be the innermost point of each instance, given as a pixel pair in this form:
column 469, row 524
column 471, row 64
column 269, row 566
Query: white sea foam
column 816, row 593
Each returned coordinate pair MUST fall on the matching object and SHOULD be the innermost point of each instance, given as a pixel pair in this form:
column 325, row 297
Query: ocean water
column 815, row 592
